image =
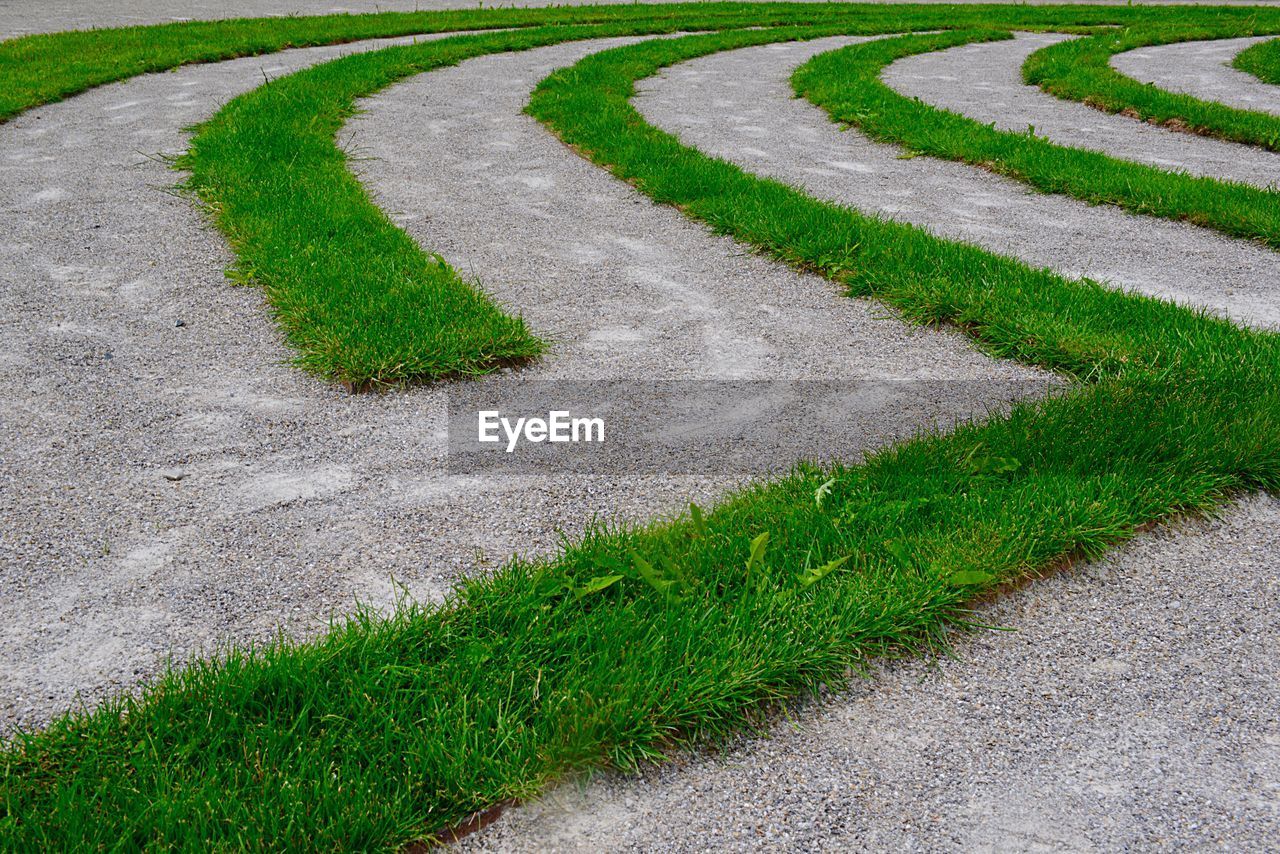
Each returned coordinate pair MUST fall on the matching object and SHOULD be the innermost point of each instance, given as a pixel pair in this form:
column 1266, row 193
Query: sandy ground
column 984, row 82
column 1201, row 69
column 20, row 17
column 1133, row 707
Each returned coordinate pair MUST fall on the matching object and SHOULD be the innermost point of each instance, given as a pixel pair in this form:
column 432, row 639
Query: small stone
column 173, row 474
column 180, row 322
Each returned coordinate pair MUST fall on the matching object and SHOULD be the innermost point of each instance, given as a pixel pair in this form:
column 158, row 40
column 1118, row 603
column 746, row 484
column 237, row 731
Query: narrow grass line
column 355, row 295
column 1080, row 70
column 389, row 728
column 39, row 69
column 1261, row 60
column 361, row 303
column 1079, row 328
column 846, row 84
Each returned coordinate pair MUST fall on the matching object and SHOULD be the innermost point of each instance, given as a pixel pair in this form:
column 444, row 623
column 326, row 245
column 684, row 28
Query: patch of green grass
column 1080, row 70
column 636, row 640
column 387, row 729
column 1261, row 60
column 847, row 85
column 38, row 69
column 356, row 296
column 41, row 68
column 1016, row 312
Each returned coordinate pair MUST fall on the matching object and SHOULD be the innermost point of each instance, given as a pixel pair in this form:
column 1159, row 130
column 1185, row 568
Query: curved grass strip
column 846, row 84
column 38, row 69
column 1080, row 70
column 356, row 296
column 388, row 729
column 1017, row 312
column 1261, row 60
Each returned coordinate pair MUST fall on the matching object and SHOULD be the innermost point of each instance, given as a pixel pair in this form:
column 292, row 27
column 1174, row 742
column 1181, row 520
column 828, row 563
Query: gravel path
column 19, row 17
column 984, row 82
column 627, row 288
column 1134, row 707
column 1202, row 69
column 177, row 486
column 738, row 105
column 291, row 499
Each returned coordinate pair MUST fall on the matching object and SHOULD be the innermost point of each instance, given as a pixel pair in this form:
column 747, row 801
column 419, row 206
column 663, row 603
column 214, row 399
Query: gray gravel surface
column 168, row 488
column 627, row 288
column 1133, row 708
column 1202, row 69
column 739, row 105
column 984, row 82
column 19, row 17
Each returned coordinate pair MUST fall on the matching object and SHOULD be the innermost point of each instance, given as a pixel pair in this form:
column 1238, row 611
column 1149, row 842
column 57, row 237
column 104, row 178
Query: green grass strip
column 1017, row 312
column 1080, row 70
column 356, row 296
column 846, row 83
column 41, row 68
column 1261, row 60
column 38, row 69
column 633, row 641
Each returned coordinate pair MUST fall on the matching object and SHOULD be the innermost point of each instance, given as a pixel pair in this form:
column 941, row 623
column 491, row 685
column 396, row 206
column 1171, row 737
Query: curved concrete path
column 291, row 499
column 1134, row 706
column 174, row 487
column 739, row 105
column 984, row 82
column 20, row 17
column 1201, row 69
column 627, row 288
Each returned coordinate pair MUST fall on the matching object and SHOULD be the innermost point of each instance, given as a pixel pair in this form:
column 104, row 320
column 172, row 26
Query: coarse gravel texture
column 20, row 17
column 173, row 487
column 984, row 82
column 739, row 105
column 1201, row 69
column 627, row 289
column 1133, row 707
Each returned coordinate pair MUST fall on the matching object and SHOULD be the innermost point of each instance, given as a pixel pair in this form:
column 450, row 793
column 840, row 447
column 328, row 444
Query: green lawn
column 847, row 85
